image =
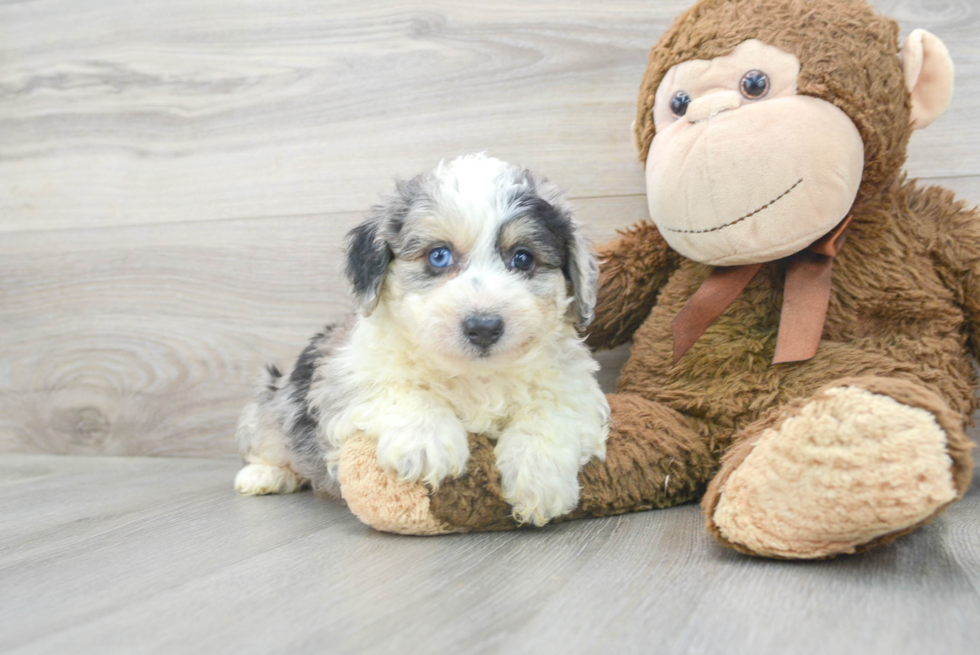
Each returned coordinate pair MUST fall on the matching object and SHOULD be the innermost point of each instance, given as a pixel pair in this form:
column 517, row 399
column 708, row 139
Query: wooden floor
column 130, row 555
column 175, row 180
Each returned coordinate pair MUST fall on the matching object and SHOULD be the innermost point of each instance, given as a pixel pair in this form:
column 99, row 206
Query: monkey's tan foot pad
column 379, row 499
column 842, row 471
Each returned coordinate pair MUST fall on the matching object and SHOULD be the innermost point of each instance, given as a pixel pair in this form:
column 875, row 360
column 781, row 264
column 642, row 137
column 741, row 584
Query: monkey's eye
column 522, row 260
column 679, row 102
column 440, row 257
column 754, row 84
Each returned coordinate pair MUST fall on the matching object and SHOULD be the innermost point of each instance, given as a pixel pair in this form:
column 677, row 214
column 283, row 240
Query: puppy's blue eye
column 522, row 260
column 440, row 257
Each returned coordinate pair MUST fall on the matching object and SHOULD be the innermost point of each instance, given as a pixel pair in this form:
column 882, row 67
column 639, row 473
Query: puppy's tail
column 272, row 380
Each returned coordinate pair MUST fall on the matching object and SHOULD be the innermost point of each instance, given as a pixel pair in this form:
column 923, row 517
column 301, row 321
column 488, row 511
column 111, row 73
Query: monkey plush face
column 742, row 168
column 761, row 122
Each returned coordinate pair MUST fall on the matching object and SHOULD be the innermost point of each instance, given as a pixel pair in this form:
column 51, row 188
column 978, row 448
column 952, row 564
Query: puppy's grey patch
column 301, row 419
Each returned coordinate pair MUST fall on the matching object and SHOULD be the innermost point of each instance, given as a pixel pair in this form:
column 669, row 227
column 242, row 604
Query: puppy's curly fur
column 471, row 282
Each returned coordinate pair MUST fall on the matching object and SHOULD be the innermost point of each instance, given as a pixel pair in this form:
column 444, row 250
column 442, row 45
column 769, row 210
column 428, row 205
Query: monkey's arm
column 956, row 248
column 633, row 268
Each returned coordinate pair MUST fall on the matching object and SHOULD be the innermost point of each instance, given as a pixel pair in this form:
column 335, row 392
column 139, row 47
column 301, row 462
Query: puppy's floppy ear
column 580, row 267
column 368, row 256
column 369, row 244
column 583, row 274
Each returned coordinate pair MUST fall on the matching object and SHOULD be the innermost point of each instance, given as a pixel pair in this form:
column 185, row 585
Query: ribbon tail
column 710, row 301
column 805, row 300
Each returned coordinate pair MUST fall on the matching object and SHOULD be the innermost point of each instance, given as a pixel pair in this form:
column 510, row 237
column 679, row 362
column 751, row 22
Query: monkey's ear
column 928, row 75
column 368, row 256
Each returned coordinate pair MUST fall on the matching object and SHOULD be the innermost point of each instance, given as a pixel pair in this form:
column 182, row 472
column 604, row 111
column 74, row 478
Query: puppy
column 470, row 284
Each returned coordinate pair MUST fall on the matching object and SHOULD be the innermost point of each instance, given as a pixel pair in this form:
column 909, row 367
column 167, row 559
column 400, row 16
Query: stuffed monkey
column 804, row 319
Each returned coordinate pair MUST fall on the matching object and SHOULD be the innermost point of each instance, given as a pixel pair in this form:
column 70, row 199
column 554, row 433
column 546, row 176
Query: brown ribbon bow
column 806, row 295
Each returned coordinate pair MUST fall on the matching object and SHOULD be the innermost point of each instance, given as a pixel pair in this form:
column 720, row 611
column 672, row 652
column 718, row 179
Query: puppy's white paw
column 538, row 502
column 260, row 479
column 538, row 490
column 425, row 450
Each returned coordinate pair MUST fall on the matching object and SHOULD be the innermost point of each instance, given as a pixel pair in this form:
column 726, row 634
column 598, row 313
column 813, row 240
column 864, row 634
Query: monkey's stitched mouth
column 739, row 220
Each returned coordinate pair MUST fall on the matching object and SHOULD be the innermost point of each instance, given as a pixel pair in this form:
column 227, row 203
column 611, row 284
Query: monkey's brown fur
column 903, row 320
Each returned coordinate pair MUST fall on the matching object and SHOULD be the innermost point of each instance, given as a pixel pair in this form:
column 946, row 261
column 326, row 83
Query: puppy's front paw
column 427, row 450
column 539, row 491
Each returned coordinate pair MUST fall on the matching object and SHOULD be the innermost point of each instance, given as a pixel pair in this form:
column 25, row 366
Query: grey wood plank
column 116, row 113
column 159, row 555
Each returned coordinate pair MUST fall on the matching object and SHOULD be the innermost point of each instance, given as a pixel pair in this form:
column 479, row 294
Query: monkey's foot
column 379, row 498
column 860, row 463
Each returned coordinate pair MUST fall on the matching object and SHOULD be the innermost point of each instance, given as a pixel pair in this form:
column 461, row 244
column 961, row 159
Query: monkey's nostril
column 483, row 330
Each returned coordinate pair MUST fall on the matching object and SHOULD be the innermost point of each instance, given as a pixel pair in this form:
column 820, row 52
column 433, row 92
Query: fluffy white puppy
column 471, row 282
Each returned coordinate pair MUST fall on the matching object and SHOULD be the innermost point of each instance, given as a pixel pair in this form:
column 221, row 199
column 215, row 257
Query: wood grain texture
column 154, row 555
column 117, row 113
column 176, row 177
column 168, row 110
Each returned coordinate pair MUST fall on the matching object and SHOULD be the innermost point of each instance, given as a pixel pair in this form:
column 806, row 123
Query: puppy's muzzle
column 483, row 330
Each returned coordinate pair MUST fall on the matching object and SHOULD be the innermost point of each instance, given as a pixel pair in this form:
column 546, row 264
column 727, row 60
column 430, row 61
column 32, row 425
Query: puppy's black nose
column 483, row 330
